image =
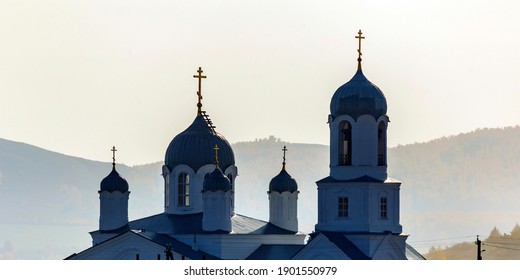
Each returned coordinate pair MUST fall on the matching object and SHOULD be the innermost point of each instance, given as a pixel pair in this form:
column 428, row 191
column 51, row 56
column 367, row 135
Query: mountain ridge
column 451, row 186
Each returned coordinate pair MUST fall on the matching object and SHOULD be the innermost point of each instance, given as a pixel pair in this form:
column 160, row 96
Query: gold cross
column 113, row 156
column 216, row 154
column 359, row 48
column 199, row 92
column 284, row 150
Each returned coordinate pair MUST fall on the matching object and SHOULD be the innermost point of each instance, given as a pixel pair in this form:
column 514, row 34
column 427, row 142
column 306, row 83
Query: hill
column 495, row 246
column 453, row 186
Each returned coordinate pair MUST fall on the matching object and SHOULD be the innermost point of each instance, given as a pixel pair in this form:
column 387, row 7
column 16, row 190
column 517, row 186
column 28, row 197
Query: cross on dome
column 284, row 150
column 199, row 92
column 216, row 148
column 359, row 48
column 113, row 157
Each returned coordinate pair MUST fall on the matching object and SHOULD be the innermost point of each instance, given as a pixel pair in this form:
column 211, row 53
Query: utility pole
column 479, row 249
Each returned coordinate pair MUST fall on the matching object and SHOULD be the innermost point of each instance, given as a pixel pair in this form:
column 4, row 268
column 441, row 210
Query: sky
column 78, row 77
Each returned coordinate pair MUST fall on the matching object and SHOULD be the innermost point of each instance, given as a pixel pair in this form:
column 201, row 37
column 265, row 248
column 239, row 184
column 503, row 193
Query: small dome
column 283, row 182
column 216, row 181
column 114, row 182
column 194, row 147
column 358, row 97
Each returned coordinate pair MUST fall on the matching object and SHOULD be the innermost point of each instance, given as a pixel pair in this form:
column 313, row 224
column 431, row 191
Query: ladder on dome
column 208, row 121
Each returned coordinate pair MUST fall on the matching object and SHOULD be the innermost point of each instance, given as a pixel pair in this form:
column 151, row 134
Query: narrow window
column 230, row 177
column 381, row 144
column 166, row 195
column 383, row 207
column 343, row 206
column 183, row 194
column 345, row 143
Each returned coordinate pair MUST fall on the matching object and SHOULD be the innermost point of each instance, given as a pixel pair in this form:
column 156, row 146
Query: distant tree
column 515, row 232
column 495, row 233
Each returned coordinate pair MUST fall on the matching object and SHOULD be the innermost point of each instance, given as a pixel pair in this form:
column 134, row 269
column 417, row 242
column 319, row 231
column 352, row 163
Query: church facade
column 358, row 204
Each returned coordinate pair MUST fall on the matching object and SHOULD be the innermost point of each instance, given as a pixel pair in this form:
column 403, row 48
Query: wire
column 450, row 238
column 503, row 243
column 501, row 247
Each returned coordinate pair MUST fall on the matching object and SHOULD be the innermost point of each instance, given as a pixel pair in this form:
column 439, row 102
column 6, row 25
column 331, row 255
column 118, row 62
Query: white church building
column 358, row 204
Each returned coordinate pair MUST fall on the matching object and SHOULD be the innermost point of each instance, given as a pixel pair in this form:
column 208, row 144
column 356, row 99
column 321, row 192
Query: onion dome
column 358, row 97
column 216, row 181
column 190, row 146
column 114, row 182
column 283, row 182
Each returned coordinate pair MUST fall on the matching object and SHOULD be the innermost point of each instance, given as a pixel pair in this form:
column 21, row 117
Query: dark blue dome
column 358, row 97
column 194, row 147
column 283, row 182
column 216, row 181
column 114, row 182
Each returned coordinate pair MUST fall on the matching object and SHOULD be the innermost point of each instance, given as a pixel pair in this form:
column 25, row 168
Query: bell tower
column 358, row 196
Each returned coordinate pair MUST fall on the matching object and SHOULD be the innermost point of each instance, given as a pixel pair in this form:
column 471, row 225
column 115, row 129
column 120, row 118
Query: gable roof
column 412, row 254
column 177, row 246
column 192, row 224
column 345, row 245
column 159, row 239
column 275, row 252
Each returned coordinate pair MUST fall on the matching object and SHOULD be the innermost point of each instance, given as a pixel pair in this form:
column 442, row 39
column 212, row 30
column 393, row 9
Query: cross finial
column 284, row 150
column 216, row 148
column 359, row 48
column 199, row 92
column 114, row 157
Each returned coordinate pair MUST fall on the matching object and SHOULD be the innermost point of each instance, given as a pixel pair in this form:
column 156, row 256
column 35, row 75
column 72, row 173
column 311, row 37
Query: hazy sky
column 80, row 76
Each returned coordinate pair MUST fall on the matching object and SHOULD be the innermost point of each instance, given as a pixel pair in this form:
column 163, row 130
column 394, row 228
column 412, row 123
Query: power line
column 501, row 247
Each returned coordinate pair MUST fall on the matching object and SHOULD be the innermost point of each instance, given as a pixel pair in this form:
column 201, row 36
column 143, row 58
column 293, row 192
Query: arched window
column 345, row 143
column 381, row 144
column 183, row 190
column 383, row 208
column 343, row 206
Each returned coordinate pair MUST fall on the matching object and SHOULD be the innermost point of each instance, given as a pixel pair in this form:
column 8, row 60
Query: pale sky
column 78, row 77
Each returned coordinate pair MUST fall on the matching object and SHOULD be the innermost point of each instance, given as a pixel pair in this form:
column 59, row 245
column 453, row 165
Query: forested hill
column 494, row 246
column 454, row 186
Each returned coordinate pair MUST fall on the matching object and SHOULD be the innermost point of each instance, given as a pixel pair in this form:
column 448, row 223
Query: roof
column 275, row 252
column 358, row 97
column 192, row 224
column 194, row 147
column 345, row 245
column 216, row 181
column 160, row 239
column 362, row 179
column 114, row 182
column 412, row 254
column 283, row 182
column 177, row 246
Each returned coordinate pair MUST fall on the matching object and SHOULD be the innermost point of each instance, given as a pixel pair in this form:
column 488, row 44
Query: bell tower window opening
column 381, row 144
column 345, row 143
column 383, row 207
column 183, row 190
column 343, row 207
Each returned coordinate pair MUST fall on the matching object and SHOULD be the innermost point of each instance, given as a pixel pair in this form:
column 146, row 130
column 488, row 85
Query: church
column 358, row 204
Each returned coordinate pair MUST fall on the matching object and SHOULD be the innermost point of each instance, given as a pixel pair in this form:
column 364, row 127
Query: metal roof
column 275, row 252
column 345, row 245
column 194, row 147
column 114, row 182
column 358, row 97
column 177, row 246
column 216, row 181
column 192, row 224
column 283, row 182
